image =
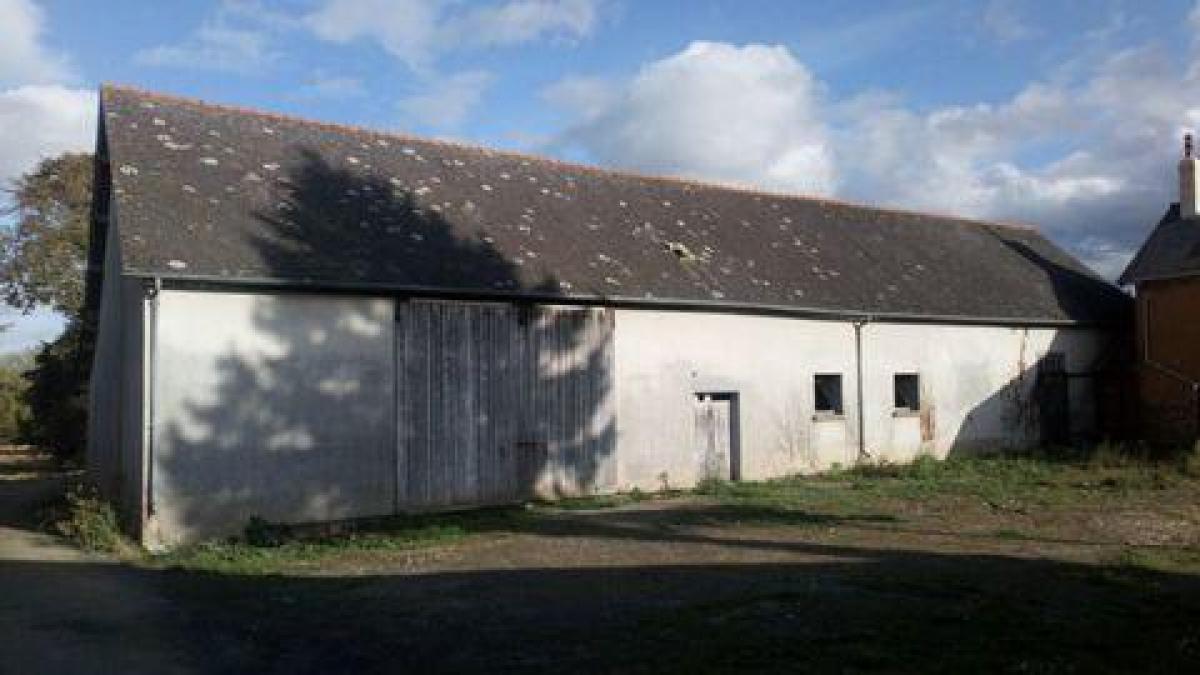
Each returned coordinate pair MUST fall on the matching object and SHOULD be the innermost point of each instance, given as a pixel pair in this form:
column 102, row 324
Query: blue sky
column 1065, row 115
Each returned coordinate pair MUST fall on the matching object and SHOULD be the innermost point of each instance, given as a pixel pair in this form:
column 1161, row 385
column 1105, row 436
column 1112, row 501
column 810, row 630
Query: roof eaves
column 828, row 314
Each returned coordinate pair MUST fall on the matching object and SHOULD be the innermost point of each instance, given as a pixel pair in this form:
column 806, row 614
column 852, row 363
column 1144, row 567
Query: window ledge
column 828, row 417
column 905, row 412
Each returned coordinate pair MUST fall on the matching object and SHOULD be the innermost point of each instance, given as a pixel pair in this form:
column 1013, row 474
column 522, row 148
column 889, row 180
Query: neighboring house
column 303, row 321
column 1166, row 275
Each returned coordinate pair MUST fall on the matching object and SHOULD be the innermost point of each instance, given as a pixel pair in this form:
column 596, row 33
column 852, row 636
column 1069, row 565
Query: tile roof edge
column 816, row 313
column 551, row 161
column 1129, row 275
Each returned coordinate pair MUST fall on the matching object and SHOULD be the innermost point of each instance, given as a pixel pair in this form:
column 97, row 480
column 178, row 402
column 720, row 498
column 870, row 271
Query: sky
column 1060, row 114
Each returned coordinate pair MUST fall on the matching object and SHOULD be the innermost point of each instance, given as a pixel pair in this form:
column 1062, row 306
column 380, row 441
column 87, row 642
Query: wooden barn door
column 497, row 403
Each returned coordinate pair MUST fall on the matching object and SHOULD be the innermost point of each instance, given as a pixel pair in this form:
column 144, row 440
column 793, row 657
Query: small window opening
column 907, row 391
column 828, row 394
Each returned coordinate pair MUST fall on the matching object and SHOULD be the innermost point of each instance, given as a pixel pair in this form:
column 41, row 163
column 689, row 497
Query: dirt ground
column 946, row 584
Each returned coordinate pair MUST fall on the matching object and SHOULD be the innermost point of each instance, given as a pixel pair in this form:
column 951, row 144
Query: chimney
column 1189, row 180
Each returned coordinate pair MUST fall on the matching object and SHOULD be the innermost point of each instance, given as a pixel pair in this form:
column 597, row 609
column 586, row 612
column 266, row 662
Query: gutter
column 227, row 284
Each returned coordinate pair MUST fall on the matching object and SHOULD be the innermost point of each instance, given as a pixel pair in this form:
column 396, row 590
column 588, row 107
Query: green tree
column 43, row 257
column 44, row 252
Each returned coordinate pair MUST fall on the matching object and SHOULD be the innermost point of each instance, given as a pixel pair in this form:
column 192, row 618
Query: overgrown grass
column 867, row 494
column 90, row 521
column 1012, row 484
column 1005, row 479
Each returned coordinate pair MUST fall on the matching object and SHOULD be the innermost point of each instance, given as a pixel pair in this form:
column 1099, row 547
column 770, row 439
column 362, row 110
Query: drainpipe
column 152, row 294
column 858, row 361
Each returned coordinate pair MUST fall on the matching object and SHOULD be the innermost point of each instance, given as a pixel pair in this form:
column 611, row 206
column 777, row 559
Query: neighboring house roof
column 1173, row 250
column 213, row 193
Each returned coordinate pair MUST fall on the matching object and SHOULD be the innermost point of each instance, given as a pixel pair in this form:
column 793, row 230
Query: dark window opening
column 828, row 393
column 907, row 391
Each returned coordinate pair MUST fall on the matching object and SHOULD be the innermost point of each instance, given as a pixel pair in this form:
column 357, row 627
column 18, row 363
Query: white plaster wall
column 282, row 406
column 976, row 389
column 662, row 359
column 976, row 386
column 277, row 406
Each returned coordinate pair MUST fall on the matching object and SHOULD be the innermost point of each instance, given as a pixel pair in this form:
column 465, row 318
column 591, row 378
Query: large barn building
column 304, row 322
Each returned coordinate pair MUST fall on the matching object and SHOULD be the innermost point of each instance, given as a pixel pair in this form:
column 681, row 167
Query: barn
column 306, row 322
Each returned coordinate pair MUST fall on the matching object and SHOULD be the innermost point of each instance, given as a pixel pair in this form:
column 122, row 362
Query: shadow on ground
column 619, row 592
column 29, row 482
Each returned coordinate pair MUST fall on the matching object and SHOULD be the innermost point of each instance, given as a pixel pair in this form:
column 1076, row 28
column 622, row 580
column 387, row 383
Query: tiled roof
column 1173, row 250
column 212, row 192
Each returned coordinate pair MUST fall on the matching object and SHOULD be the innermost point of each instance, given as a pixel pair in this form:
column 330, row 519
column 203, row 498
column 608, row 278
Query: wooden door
column 498, row 402
column 714, row 436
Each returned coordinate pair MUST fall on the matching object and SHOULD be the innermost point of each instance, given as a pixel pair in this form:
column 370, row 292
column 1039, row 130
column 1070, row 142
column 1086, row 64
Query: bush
column 90, row 521
column 56, row 394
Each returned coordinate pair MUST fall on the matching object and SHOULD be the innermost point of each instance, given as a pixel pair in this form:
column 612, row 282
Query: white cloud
column 23, row 57
column 39, row 118
column 39, row 115
column 520, row 21
column 330, row 87
column 448, row 101
column 588, row 97
column 737, row 114
column 407, row 29
column 38, row 121
column 1003, row 21
column 1089, row 159
column 419, row 31
column 218, row 44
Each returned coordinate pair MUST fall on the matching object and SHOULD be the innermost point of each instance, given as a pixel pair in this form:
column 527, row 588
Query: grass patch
column 596, row 502
column 240, row 557
column 1160, row 559
column 1005, row 481
column 268, row 548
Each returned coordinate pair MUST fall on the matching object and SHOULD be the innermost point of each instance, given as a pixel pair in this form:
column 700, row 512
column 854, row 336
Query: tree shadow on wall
column 306, row 406
column 1055, row 401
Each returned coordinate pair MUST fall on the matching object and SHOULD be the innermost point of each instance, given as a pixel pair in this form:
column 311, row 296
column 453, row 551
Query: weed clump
column 90, row 521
